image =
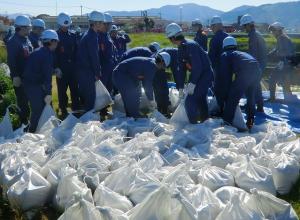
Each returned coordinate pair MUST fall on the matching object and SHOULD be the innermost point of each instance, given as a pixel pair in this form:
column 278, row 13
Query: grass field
column 144, row 39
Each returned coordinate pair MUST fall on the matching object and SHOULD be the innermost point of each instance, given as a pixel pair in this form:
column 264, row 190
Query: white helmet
column 216, row 20
column 173, row 29
column 246, row 19
column 96, row 16
column 229, row 41
column 166, row 58
column 64, row 20
column 197, row 21
column 49, row 35
column 108, row 18
column 276, row 26
column 38, row 23
column 114, row 28
column 23, row 20
column 154, row 46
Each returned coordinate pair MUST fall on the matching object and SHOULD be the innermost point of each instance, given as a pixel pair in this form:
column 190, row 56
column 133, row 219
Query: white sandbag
column 178, row 176
column 139, row 192
column 222, row 157
column 238, row 120
column 270, row 207
column 174, row 98
column 159, row 117
column 157, row 206
column 285, row 170
column 174, row 157
column 235, row 210
column 226, row 193
column 69, row 185
column 179, row 117
column 47, row 113
column 183, row 209
column 81, row 210
column 103, row 97
column 292, row 147
column 118, row 104
column 200, row 197
column 251, row 175
column 151, row 163
column 108, row 213
column 144, row 101
column 213, row 106
column 104, row 196
column 31, row 191
column 6, row 129
column 215, row 177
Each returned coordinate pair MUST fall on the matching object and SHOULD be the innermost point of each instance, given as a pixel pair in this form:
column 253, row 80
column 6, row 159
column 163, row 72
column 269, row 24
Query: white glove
column 17, row 81
column 153, row 105
column 48, row 99
column 58, row 73
column 181, row 94
column 190, row 88
column 280, row 65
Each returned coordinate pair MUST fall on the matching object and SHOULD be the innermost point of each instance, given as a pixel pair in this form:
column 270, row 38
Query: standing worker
column 88, row 65
column 201, row 37
column 38, row 77
column 18, row 50
column 257, row 49
column 246, row 73
column 65, row 56
column 9, row 34
column 192, row 57
column 128, row 75
column 120, row 41
column 38, row 26
column 216, row 43
column 282, row 53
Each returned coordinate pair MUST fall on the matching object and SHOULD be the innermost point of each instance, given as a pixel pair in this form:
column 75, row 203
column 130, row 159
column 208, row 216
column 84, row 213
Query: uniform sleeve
column 47, row 69
column 212, row 53
column 223, row 80
column 92, row 47
column 286, row 48
column 12, row 56
column 196, row 63
column 180, row 73
column 148, row 82
column 205, row 40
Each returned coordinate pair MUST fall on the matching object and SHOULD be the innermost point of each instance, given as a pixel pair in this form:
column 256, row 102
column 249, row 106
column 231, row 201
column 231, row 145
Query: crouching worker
column 239, row 75
column 192, row 57
column 38, row 77
column 128, row 75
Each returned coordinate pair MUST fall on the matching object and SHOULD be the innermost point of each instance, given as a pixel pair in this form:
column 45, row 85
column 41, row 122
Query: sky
column 35, row 7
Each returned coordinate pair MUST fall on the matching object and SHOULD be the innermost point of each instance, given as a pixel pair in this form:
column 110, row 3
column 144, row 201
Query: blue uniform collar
column 21, row 37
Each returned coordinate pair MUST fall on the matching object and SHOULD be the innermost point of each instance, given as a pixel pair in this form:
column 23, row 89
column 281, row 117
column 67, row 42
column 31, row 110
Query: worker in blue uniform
column 9, row 34
column 154, row 47
column 38, row 26
column 201, row 37
column 137, row 52
column 37, row 77
column 283, row 52
column 78, row 34
column 88, row 65
column 18, row 50
column 65, row 56
column 128, row 76
column 216, row 43
column 257, row 49
column 238, row 76
column 120, row 41
column 193, row 58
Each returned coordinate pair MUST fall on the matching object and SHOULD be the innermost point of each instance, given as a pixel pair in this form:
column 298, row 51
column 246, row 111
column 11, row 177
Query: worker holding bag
column 38, row 77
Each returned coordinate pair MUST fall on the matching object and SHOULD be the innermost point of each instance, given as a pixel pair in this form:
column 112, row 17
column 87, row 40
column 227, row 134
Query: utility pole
column 81, row 10
column 56, row 8
column 180, row 14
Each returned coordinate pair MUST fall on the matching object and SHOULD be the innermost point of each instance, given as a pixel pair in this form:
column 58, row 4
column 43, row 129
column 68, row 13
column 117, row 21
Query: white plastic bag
column 213, row 106
column 103, row 97
column 251, row 175
column 69, row 185
column 47, row 113
column 270, row 207
column 6, row 129
column 156, row 206
column 31, row 191
column 174, row 98
column 226, row 193
column 180, row 117
column 104, row 196
column 80, row 210
column 285, row 170
column 215, row 177
column 238, row 120
column 235, row 210
column 108, row 213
